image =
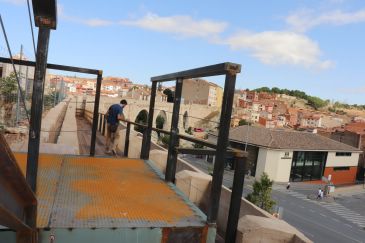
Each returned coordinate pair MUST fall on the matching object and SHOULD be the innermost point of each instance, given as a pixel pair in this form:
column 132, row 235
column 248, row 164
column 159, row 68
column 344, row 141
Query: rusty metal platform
column 87, row 192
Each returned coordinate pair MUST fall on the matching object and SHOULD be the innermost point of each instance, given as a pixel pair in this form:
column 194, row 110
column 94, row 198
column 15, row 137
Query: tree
column 189, row 131
column 261, row 195
column 160, row 121
column 243, row 122
column 170, row 95
column 316, row 102
column 166, row 139
column 8, row 88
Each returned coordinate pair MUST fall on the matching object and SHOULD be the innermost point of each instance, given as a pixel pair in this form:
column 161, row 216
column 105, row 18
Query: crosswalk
column 345, row 213
column 334, row 207
column 293, row 193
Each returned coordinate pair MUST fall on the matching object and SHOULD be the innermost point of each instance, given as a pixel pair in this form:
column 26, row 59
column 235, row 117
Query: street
column 341, row 221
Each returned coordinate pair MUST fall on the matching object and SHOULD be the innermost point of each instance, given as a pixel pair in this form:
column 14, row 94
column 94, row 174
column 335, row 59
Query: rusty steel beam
column 217, row 69
column 16, row 195
column 52, row 66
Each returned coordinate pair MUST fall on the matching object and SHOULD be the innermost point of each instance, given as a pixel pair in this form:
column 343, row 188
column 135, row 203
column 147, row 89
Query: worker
column 113, row 116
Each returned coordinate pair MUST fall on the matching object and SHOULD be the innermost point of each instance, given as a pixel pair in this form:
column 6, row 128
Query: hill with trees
column 313, row 101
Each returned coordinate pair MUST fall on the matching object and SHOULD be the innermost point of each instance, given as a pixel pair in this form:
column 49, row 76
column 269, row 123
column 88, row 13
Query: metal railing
column 219, row 150
column 240, row 165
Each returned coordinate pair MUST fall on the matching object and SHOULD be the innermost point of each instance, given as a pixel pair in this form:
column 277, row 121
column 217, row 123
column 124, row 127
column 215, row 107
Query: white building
column 26, row 73
column 287, row 155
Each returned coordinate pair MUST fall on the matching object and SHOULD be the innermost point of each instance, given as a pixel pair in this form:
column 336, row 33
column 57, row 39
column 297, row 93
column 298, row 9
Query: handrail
column 181, row 136
column 229, row 70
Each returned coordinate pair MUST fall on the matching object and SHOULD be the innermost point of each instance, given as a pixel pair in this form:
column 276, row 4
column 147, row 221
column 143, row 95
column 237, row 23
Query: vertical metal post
column 37, row 105
column 172, row 153
column 126, row 143
column 100, row 121
column 36, row 122
column 104, row 124
column 19, row 97
column 235, row 204
column 96, row 113
column 222, row 143
column 146, row 143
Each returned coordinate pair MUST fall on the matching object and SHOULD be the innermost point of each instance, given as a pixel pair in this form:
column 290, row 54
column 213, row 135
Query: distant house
column 267, row 122
column 291, row 116
column 311, row 121
column 26, row 73
column 200, row 91
column 287, row 155
column 252, row 96
column 267, row 96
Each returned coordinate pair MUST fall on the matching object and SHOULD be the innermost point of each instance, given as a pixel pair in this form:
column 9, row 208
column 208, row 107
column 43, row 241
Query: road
column 320, row 222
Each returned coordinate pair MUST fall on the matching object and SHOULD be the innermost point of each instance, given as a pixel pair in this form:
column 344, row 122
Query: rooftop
column 286, row 139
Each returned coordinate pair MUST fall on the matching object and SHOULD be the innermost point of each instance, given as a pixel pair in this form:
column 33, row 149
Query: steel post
column 104, row 124
column 96, row 113
column 222, row 143
column 172, row 153
column 146, row 143
column 236, row 195
column 126, row 143
column 100, row 121
column 37, row 106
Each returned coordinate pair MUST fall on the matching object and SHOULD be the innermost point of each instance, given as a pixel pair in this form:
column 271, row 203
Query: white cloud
column 95, row 22
column 280, row 47
column 305, row 19
column 181, row 25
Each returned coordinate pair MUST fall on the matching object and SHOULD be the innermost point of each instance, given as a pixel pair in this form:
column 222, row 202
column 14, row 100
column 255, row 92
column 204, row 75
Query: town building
column 267, row 96
column 25, row 73
column 200, row 91
column 291, row 116
column 287, row 155
column 353, row 134
column 308, row 119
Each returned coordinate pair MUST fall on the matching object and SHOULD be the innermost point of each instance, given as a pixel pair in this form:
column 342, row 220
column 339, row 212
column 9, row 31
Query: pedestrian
column 319, row 193
column 288, row 186
column 114, row 115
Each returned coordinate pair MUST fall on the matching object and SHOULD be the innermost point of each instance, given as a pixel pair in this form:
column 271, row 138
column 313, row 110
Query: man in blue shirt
column 114, row 115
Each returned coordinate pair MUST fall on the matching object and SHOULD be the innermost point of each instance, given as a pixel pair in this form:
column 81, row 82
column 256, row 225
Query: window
column 343, row 154
column 1, row 72
column 341, row 168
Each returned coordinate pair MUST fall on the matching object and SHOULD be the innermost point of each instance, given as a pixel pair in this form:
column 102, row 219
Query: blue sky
column 313, row 45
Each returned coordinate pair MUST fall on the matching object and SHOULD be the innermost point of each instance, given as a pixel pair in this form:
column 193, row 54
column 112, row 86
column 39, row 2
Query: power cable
column 14, row 69
column 31, row 28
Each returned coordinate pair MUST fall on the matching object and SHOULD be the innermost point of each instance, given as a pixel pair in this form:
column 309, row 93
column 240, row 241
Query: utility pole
column 18, row 96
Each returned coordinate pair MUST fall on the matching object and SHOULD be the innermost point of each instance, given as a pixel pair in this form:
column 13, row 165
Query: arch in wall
column 141, row 118
column 161, row 120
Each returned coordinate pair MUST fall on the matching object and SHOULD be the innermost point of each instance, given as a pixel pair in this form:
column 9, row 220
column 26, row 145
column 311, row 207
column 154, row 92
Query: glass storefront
column 307, row 165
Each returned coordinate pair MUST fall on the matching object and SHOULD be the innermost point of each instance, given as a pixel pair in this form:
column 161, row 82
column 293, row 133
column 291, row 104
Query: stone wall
column 52, row 122
column 68, row 134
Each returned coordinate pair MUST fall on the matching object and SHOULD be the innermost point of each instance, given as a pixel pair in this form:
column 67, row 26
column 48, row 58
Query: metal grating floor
column 86, row 192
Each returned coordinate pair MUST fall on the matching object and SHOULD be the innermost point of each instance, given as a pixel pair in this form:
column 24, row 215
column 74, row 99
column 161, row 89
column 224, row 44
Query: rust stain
column 165, row 235
column 126, row 189
column 204, row 234
column 48, row 171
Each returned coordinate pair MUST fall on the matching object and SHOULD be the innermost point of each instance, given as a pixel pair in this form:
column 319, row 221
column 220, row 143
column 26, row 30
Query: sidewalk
column 349, row 190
